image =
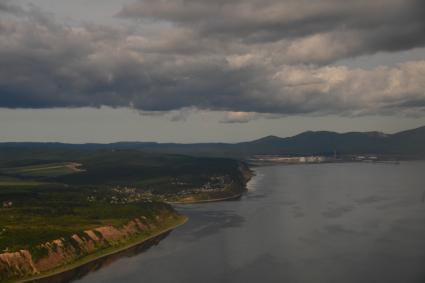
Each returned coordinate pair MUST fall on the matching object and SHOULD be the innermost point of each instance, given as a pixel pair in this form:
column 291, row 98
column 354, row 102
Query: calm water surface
column 304, row 223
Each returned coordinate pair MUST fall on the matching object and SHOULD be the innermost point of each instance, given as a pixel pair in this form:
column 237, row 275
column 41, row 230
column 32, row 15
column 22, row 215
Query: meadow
column 45, row 195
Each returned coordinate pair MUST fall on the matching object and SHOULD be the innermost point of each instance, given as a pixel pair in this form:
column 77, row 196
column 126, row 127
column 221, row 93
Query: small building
column 7, row 204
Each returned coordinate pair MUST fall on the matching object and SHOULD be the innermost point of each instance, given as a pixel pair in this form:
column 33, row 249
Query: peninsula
column 60, row 209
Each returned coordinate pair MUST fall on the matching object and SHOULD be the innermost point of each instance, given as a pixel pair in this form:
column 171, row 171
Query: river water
column 353, row 222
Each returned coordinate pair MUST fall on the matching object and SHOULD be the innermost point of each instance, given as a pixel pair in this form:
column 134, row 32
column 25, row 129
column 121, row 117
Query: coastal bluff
column 68, row 252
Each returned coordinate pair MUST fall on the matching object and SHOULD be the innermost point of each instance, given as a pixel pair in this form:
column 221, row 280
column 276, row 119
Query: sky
column 200, row 70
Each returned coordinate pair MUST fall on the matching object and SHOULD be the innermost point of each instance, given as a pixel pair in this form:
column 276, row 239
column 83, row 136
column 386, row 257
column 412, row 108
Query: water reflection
column 203, row 223
column 96, row 265
column 344, row 223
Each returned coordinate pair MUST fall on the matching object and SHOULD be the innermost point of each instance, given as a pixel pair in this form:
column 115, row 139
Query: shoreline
column 207, row 200
column 100, row 254
column 136, row 241
column 232, row 197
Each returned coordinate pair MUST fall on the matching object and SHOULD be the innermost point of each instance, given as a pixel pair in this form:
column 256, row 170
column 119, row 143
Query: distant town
column 280, row 159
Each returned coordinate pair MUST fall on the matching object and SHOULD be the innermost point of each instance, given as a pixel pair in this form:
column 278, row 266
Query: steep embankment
column 66, row 253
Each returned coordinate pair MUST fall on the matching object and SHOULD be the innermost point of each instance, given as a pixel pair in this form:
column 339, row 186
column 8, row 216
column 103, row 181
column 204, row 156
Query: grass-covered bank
column 61, row 209
column 63, row 244
column 137, row 240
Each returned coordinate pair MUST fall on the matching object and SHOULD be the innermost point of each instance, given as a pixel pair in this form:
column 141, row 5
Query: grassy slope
column 137, row 240
column 51, row 200
column 157, row 173
column 48, row 204
column 41, row 218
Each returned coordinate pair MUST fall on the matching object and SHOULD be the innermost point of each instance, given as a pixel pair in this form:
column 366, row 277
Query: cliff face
column 57, row 253
column 16, row 264
column 246, row 172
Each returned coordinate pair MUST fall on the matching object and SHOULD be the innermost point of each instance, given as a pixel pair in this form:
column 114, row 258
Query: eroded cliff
column 59, row 253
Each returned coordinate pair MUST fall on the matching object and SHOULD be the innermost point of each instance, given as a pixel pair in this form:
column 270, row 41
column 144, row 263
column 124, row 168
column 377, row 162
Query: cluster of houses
column 279, row 159
column 365, row 158
column 213, row 184
column 290, row 159
column 124, row 195
column 7, row 204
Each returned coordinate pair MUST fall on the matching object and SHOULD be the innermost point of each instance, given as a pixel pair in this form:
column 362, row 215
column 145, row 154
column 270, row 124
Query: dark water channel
column 302, row 223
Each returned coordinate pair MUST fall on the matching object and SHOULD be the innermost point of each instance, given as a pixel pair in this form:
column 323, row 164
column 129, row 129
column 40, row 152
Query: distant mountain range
column 410, row 143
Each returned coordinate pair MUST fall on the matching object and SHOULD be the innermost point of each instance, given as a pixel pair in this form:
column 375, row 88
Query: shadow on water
column 345, row 223
column 261, row 269
column 96, row 265
column 204, row 223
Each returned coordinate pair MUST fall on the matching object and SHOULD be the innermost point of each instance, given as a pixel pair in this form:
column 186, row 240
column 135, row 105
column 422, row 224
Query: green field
column 50, row 194
column 40, row 170
column 13, row 182
column 33, row 222
column 159, row 174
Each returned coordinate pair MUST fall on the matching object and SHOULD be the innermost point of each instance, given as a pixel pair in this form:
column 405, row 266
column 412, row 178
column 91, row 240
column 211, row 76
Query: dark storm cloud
column 8, row 7
column 238, row 56
column 384, row 24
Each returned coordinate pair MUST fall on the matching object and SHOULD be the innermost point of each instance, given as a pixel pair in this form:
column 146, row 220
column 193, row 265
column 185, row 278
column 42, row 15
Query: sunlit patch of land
column 43, row 170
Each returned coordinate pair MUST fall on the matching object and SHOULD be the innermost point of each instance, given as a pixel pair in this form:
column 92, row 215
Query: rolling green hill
column 409, row 144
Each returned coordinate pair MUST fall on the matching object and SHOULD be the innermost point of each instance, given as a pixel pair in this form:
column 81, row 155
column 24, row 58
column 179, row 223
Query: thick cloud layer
column 240, row 56
column 360, row 26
